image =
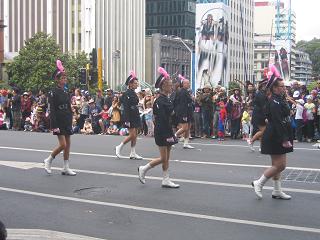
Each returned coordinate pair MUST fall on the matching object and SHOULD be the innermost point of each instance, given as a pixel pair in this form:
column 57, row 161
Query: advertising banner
column 212, row 44
column 282, row 58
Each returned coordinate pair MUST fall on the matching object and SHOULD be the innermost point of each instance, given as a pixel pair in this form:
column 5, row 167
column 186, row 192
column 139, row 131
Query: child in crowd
column 310, row 111
column 104, row 121
column 148, row 116
column 112, row 129
column 222, row 118
column 27, row 125
column 246, row 119
column 3, row 125
column 318, row 114
column 75, row 119
column 40, row 121
column 87, row 127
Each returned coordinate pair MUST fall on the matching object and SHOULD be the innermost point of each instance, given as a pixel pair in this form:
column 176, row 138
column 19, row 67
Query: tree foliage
column 313, row 49
column 33, row 67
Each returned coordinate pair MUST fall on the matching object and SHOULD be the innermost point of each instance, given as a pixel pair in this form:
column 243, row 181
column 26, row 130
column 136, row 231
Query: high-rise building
column 303, row 71
column 120, row 32
column 68, row 21
column 275, row 24
column 168, row 52
column 116, row 26
column 240, row 39
column 171, row 17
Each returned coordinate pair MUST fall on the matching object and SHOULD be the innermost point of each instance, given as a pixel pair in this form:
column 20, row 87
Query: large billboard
column 212, row 44
column 282, row 58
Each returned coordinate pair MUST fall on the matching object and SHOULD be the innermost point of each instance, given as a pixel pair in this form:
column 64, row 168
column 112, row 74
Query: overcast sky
column 308, row 13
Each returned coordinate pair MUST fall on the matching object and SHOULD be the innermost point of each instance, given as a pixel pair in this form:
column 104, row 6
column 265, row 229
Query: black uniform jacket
column 162, row 110
column 60, row 109
column 259, row 108
column 279, row 128
column 130, row 103
column 183, row 104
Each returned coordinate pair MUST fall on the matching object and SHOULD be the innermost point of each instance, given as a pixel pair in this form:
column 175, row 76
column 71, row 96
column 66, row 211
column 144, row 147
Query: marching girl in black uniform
column 183, row 108
column 259, row 113
column 60, row 120
column 163, row 133
column 131, row 116
column 277, row 138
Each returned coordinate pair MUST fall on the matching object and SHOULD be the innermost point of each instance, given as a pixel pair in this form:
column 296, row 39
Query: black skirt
column 65, row 130
column 136, row 123
column 163, row 141
column 181, row 119
column 271, row 143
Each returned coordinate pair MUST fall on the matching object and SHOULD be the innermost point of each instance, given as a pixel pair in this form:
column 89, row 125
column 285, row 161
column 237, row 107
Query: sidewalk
column 38, row 234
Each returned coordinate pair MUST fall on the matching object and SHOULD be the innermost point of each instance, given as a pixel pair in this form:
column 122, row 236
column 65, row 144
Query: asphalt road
column 107, row 201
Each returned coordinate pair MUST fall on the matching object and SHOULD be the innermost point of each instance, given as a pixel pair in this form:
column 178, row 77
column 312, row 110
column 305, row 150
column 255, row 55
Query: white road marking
column 30, row 165
column 167, row 212
column 173, row 160
column 244, row 146
column 44, row 235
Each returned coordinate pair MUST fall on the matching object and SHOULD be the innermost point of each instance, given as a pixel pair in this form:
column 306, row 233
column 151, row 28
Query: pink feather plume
column 59, row 66
column 163, row 72
column 182, row 78
column 273, row 71
column 133, row 74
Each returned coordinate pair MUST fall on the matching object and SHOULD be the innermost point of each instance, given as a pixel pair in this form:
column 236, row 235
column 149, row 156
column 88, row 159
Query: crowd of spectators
column 217, row 112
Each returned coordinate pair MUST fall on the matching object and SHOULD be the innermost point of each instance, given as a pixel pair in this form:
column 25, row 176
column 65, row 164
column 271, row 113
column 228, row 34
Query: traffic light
column 93, row 58
column 83, row 76
column 94, row 75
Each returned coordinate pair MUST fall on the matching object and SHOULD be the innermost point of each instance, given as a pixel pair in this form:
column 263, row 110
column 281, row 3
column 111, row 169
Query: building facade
column 120, row 32
column 264, row 50
column 303, row 67
column 241, row 44
column 168, row 52
column 171, row 17
column 70, row 22
column 275, row 23
column 116, row 26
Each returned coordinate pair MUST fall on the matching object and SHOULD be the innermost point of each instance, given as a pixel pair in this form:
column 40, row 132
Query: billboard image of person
column 212, row 40
column 282, row 58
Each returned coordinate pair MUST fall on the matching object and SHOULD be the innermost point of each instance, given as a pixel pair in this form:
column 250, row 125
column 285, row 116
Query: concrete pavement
column 107, row 201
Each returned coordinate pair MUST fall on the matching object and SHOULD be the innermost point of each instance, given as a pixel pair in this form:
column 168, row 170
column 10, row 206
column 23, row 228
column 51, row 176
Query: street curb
column 39, row 234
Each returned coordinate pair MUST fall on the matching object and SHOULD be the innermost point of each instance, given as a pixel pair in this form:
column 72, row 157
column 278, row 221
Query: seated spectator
column 87, row 127
column 3, row 125
column 104, row 121
column 40, row 123
column 113, row 129
column 27, row 125
column 94, row 111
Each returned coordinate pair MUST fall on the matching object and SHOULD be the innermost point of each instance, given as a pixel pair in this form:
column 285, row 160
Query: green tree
column 313, row 49
column 72, row 64
column 33, row 67
column 36, row 62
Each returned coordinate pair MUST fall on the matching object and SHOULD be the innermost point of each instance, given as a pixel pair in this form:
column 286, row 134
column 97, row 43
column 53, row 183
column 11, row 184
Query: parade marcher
column 184, row 110
column 258, row 114
column 163, row 132
column 60, row 120
column 277, row 139
column 131, row 116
